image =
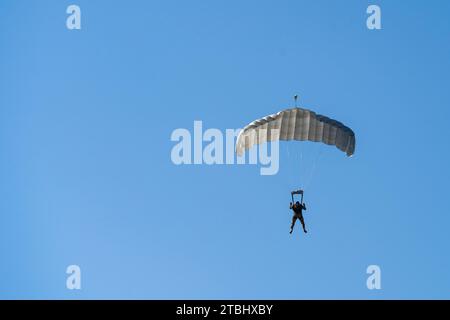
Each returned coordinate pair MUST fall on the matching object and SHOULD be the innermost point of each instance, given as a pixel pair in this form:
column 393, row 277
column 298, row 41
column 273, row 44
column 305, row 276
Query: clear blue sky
column 85, row 170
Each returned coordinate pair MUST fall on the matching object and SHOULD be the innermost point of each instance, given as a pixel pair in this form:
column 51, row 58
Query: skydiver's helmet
column 297, row 204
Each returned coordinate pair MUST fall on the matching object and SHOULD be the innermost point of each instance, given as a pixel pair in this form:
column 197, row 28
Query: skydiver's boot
column 303, row 225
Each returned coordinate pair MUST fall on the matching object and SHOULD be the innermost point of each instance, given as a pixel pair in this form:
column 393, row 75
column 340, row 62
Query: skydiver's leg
column 294, row 218
column 303, row 224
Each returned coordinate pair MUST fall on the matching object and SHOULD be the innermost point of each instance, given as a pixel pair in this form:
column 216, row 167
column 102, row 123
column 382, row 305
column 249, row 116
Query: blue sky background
column 85, row 170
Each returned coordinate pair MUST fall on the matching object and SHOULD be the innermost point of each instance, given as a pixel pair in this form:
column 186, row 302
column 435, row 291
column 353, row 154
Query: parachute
column 296, row 124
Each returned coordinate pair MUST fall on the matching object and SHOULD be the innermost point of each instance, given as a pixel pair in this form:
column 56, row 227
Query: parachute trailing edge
column 296, row 124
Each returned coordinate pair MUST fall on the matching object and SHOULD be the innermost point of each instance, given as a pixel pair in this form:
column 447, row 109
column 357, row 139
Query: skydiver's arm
column 290, row 205
column 304, row 206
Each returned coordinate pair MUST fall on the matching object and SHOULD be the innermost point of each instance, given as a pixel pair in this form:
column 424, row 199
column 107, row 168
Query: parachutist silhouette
column 296, row 124
column 298, row 208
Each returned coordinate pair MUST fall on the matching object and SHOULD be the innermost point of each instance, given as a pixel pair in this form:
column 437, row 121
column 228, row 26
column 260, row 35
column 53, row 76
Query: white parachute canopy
column 296, row 124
